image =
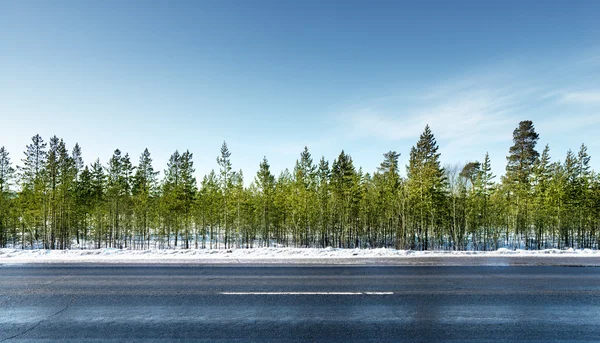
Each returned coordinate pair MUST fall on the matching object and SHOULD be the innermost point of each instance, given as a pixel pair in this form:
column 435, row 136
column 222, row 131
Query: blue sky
column 270, row 77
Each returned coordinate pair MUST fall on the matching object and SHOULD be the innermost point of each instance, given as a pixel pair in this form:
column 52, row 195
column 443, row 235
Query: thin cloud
column 477, row 112
column 477, row 108
column 587, row 97
column 453, row 116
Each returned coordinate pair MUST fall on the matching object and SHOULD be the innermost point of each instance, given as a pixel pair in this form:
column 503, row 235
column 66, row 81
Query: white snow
column 8, row 255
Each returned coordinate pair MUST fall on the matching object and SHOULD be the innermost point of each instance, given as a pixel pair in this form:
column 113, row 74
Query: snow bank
column 207, row 255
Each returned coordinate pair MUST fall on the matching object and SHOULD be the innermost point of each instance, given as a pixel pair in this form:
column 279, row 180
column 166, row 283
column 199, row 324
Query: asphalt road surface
column 169, row 303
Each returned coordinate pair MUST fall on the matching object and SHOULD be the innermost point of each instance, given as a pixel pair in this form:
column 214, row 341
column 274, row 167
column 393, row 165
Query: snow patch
column 8, row 255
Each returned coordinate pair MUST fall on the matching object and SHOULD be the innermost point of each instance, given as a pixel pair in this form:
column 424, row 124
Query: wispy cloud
column 480, row 108
column 457, row 115
column 476, row 112
column 451, row 118
column 585, row 97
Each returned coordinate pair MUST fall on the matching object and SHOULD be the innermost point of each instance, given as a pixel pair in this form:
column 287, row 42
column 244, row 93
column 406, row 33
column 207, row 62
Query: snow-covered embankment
column 261, row 254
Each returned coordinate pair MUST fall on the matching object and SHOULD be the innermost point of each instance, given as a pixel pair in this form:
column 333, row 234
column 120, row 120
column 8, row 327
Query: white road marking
column 379, row 293
column 306, row 293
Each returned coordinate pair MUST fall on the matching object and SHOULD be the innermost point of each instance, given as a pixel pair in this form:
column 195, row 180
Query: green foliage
column 427, row 189
column 56, row 201
column 6, row 179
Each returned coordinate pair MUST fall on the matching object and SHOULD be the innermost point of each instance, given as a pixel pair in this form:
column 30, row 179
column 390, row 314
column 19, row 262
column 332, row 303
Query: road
column 169, row 303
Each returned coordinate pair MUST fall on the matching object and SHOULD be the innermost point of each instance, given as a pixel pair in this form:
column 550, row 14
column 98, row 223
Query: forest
column 53, row 200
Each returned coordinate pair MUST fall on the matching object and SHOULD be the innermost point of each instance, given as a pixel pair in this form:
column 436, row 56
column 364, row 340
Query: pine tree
column 172, row 196
column 77, row 221
column 67, row 175
column 32, row 196
column 304, row 183
column 537, row 204
column 209, row 204
column 84, row 202
column 116, row 191
column 144, row 189
column 282, row 203
column 52, row 174
column 484, row 188
column 265, row 181
column 324, row 200
column 583, row 186
column 342, row 181
column 390, row 169
column 188, row 193
column 224, row 163
column 387, row 180
column 7, row 174
column 540, row 179
column 521, row 160
column 98, row 188
column 238, row 202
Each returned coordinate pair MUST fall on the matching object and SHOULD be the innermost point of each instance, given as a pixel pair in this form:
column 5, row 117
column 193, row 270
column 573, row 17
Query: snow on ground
column 258, row 254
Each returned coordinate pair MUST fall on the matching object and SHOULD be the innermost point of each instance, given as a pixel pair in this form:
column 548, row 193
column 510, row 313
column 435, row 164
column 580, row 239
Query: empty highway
column 277, row 303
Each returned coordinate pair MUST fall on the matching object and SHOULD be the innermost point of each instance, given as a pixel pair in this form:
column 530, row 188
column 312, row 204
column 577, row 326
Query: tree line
column 53, row 200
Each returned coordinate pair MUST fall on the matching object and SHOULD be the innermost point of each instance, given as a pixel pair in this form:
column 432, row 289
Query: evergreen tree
column 521, row 160
column 484, row 188
column 172, row 196
column 98, row 189
column 324, row 200
column 188, row 193
column 76, row 203
column 84, row 203
column 238, row 201
column 33, row 205
column 387, row 181
column 209, row 204
column 144, row 189
column 224, row 163
column 67, row 175
column 342, row 182
column 265, row 181
column 582, row 198
column 538, row 204
column 6, row 180
column 541, row 176
column 304, row 183
column 427, row 182
column 117, row 190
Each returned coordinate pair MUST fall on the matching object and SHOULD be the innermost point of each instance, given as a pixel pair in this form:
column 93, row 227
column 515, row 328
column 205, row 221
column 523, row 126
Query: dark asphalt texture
column 170, row 303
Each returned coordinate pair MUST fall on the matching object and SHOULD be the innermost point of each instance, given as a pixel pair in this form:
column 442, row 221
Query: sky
column 270, row 77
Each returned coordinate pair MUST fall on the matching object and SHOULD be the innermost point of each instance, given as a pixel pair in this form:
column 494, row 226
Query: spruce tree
column 427, row 182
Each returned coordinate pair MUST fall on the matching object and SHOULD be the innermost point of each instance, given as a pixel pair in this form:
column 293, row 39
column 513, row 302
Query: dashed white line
column 306, row 293
column 379, row 293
